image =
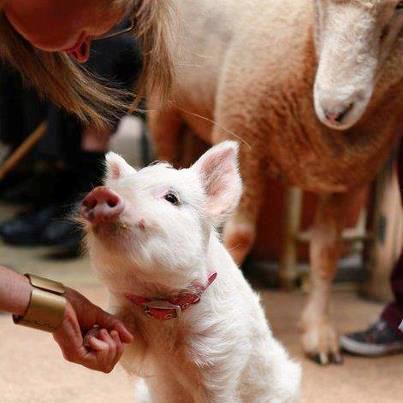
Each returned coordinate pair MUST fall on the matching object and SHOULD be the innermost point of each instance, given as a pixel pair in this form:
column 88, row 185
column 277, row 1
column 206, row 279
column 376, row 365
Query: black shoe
column 379, row 339
column 65, row 236
column 10, row 181
column 67, row 251
column 45, row 227
column 36, row 190
column 62, row 232
column 27, row 229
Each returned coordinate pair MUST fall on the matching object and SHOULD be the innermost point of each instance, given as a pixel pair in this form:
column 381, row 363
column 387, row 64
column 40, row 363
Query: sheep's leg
column 165, row 127
column 320, row 340
column 193, row 147
column 240, row 230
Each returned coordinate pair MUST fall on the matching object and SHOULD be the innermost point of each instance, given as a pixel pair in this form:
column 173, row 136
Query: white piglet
column 200, row 333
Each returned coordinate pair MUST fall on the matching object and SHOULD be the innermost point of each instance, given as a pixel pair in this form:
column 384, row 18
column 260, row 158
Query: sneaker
column 379, row 339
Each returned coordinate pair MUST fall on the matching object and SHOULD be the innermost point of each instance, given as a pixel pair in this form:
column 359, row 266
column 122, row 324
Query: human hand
column 100, row 350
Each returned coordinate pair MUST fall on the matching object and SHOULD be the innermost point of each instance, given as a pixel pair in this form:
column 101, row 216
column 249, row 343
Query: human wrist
column 15, row 291
column 23, row 297
column 46, row 307
column 74, row 298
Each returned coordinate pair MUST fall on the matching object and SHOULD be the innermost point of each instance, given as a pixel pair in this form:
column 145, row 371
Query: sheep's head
column 353, row 40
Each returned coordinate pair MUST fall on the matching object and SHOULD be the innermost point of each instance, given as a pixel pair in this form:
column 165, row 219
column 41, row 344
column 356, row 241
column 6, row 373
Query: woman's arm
column 107, row 334
column 15, row 292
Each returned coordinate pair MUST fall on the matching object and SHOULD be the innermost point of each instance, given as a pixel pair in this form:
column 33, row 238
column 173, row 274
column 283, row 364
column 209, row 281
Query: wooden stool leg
column 23, row 149
column 288, row 272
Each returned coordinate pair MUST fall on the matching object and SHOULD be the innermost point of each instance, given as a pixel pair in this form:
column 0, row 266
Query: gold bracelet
column 46, row 305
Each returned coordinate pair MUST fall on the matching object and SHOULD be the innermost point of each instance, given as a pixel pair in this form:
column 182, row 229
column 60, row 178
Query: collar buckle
column 171, row 311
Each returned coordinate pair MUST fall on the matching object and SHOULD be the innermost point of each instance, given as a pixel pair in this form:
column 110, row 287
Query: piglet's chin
column 108, row 229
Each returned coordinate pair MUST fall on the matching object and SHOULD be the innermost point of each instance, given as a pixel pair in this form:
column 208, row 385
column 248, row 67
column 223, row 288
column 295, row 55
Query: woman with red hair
column 47, row 40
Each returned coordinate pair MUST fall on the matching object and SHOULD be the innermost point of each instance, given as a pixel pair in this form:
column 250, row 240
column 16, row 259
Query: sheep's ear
column 220, row 178
column 117, row 167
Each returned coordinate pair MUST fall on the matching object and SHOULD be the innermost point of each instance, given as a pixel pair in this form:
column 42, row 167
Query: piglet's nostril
column 89, row 202
column 112, row 202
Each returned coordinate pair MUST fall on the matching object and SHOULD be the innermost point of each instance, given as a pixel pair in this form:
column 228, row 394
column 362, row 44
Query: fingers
column 68, row 335
column 92, row 332
column 90, row 315
column 97, row 345
column 109, row 322
column 110, row 356
column 124, row 334
column 102, row 347
column 107, row 348
column 100, row 350
column 118, row 342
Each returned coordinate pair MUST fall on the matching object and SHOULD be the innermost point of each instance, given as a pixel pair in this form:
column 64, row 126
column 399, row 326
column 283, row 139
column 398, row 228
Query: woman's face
column 64, row 25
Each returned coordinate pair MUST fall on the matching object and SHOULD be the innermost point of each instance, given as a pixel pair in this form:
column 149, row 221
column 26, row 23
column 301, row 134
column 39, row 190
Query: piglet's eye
column 172, row 198
column 399, row 6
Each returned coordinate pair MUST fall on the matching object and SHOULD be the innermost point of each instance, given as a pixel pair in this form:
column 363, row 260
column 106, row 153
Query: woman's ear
column 117, row 167
column 219, row 175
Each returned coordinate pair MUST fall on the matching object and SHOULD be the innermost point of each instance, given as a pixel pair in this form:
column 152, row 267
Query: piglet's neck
column 171, row 280
column 167, row 285
column 162, row 282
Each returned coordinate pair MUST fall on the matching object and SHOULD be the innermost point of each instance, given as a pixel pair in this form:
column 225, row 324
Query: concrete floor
column 32, row 368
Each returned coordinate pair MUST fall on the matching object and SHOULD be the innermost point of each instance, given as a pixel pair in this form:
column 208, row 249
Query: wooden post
column 23, row 149
column 288, row 272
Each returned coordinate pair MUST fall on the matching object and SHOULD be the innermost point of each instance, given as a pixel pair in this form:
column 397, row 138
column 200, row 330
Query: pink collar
column 172, row 307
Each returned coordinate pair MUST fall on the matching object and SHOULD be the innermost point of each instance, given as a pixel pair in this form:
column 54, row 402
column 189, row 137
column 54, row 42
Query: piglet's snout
column 101, row 204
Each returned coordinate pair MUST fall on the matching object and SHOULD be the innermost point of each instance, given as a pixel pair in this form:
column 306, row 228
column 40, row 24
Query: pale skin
column 65, row 25
column 99, row 351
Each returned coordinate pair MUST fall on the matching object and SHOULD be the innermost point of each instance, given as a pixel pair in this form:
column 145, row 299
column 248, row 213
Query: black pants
column 116, row 61
column 393, row 312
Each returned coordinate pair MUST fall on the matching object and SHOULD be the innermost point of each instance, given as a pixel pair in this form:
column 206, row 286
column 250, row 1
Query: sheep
column 312, row 90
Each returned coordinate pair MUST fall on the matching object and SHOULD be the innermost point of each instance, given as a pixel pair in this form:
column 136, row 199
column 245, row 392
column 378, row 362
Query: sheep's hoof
column 321, row 343
column 326, row 359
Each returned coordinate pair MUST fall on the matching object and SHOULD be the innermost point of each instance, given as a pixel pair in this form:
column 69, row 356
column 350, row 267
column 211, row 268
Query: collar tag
column 162, row 309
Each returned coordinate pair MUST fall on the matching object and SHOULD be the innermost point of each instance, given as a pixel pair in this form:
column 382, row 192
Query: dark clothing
column 393, row 313
column 21, row 110
column 60, row 172
column 116, row 61
column 69, row 170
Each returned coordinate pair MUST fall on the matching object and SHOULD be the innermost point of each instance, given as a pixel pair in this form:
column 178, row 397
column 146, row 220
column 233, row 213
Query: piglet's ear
column 219, row 175
column 117, row 167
